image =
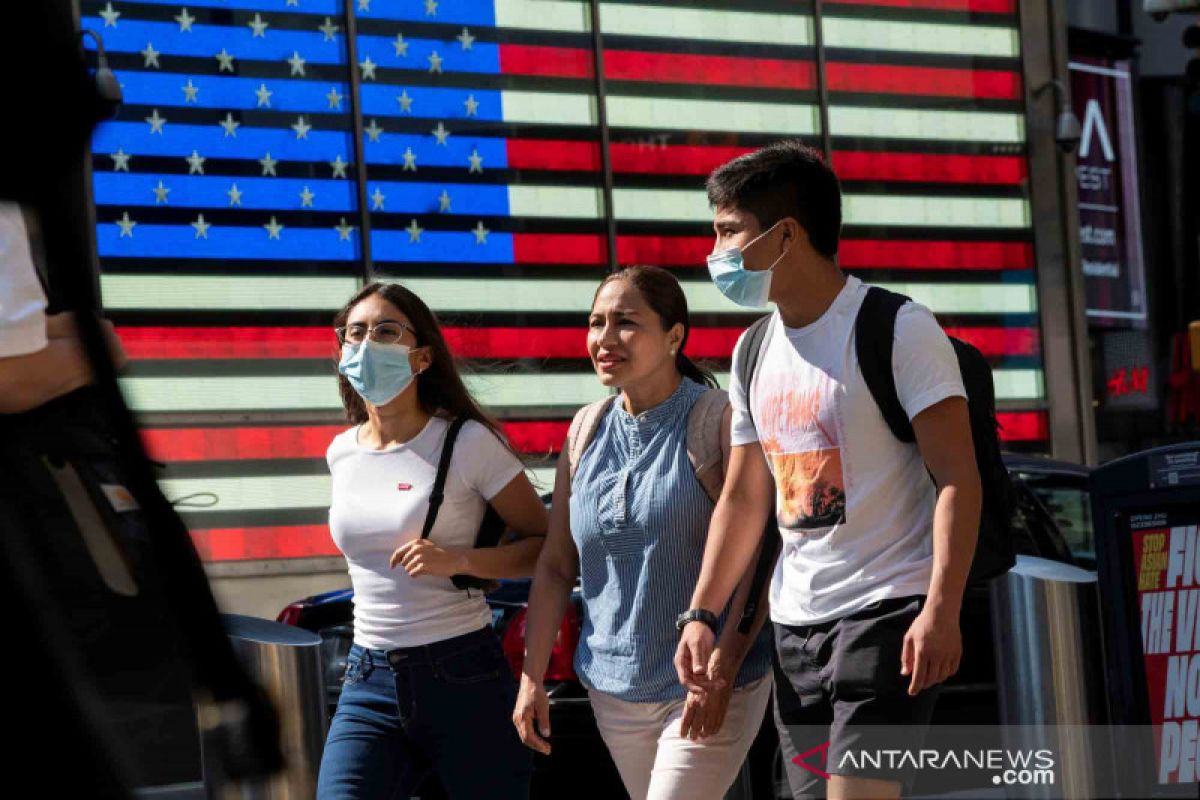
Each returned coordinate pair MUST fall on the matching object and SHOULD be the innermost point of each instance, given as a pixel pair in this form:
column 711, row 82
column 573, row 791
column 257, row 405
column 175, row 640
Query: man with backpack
column 851, row 426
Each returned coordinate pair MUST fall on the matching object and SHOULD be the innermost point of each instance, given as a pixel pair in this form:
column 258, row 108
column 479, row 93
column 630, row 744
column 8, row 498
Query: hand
column 423, row 557
column 932, row 649
column 692, row 657
column 704, row 712
column 533, row 706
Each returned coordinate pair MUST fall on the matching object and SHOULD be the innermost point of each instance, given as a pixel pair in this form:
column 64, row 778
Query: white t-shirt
column 22, row 301
column 380, row 498
column 854, row 504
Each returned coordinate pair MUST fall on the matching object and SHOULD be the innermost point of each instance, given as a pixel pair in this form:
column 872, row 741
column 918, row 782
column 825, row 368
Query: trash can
column 1050, row 671
column 286, row 662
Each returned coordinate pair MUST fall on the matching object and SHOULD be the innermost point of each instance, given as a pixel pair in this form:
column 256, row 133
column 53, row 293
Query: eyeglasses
column 383, row 333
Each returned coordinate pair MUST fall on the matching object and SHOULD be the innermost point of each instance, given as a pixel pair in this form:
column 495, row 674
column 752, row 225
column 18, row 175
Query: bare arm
column 933, row 646
column 734, row 535
column 522, row 511
column 557, row 568
column 30, row 380
column 732, row 645
column 553, row 580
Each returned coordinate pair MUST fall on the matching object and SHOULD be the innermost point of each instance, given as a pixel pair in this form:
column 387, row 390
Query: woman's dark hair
column 665, row 296
column 440, row 388
column 784, row 179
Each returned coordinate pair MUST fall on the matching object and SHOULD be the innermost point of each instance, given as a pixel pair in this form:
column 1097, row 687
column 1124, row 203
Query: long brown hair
column 665, row 296
column 440, row 388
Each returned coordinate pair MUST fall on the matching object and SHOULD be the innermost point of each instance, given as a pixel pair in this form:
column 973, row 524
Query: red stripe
column 999, row 342
column 318, row 342
column 570, row 248
column 772, row 73
column 231, row 444
column 652, row 158
column 537, row 437
column 556, row 62
column 1023, row 426
column 972, row 6
column 927, row 81
column 175, row 445
column 251, row 544
column 239, row 342
column 929, row 168
column 899, row 254
column 518, row 342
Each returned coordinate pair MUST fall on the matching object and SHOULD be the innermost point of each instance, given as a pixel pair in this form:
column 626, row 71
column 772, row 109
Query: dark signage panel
column 1109, row 212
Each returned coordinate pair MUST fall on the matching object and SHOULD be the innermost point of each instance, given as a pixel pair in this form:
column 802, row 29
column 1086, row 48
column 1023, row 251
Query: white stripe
column 566, row 391
column 576, row 202
column 695, row 23
column 920, row 37
column 278, row 492
column 644, row 20
column 212, row 292
column 253, row 494
column 950, row 212
column 521, row 295
column 742, row 116
column 971, row 298
column 548, row 108
column 666, row 113
column 1019, row 384
column 902, row 123
column 690, row 205
column 543, row 15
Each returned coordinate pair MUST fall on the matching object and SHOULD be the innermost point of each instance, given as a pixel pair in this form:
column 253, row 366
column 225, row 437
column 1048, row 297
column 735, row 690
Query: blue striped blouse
column 639, row 518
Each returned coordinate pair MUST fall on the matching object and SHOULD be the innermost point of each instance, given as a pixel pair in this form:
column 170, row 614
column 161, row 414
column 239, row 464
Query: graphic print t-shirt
column 853, row 503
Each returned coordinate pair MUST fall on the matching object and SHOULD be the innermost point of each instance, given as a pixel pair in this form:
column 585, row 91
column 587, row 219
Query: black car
column 1052, row 520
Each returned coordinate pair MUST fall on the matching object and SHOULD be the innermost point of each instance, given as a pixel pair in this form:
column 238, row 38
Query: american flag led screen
column 229, row 229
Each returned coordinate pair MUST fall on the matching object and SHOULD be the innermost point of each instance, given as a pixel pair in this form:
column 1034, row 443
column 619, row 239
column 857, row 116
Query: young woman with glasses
column 426, row 685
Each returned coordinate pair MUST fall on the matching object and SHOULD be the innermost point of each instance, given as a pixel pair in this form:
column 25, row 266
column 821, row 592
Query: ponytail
column 690, row 369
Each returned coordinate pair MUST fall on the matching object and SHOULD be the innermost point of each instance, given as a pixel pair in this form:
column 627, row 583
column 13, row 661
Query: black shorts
column 840, row 700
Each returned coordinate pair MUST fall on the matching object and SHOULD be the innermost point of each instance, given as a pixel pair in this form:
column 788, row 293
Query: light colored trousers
column 656, row 763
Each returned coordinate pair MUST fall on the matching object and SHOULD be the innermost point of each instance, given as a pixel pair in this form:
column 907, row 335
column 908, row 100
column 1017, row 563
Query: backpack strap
column 874, row 340
column 749, row 353
column 438, row 493
column 704, row 446
column 583, row 428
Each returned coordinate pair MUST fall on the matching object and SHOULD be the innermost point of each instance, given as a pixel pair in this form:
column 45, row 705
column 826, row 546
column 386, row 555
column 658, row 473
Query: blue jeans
column 445, row 707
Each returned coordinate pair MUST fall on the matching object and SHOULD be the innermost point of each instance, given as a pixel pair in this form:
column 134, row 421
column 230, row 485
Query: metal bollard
column 286, row 662
column 1050, row 669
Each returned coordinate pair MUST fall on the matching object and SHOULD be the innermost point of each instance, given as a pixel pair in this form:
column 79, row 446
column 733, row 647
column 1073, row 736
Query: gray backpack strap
column 704, row 440
column 583, row 428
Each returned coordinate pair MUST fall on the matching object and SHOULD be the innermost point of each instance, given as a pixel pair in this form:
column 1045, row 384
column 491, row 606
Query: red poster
column 1167, row 572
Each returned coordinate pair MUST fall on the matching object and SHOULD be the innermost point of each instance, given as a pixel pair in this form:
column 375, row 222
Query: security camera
column 1067, row 131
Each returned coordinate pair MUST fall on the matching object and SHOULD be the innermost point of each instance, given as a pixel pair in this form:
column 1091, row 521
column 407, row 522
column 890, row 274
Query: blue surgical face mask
column 378, row 372
column 750, row 288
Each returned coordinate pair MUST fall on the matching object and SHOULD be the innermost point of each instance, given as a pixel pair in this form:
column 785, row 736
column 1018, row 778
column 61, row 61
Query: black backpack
column 874, row 331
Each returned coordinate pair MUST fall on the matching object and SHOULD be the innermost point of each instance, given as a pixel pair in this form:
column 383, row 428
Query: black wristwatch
column 697, row 615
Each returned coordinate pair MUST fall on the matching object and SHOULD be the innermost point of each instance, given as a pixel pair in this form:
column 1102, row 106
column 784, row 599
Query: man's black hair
column 783, row 179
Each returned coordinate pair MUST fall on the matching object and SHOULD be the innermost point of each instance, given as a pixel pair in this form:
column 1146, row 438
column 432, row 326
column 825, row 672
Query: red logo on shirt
column 404, row 487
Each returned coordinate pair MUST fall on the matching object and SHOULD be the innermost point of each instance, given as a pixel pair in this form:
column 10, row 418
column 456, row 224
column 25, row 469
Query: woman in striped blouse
column 630, row 519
